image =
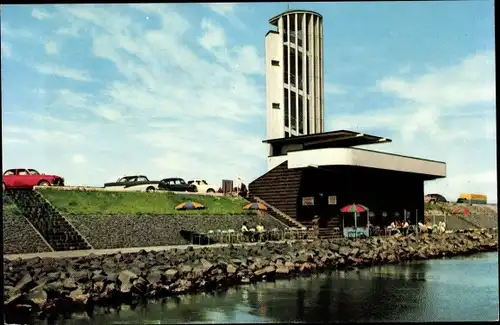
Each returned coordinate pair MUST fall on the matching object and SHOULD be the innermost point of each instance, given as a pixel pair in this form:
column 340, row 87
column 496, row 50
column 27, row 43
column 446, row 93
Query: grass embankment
column 139, row 203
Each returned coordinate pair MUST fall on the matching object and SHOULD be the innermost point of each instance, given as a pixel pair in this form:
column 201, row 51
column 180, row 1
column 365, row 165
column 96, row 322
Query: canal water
column 457, row 289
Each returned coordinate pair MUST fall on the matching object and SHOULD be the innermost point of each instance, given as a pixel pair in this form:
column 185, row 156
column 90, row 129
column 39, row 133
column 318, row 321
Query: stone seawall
column 52, row 285
column 115, row 231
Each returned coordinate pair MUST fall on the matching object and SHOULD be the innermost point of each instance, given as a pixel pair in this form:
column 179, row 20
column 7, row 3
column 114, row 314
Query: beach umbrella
column 355, row 208
column 255, row 206
column 463, row 211
column 189, row 205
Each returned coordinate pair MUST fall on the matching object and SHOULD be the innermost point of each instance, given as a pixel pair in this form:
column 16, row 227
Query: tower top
column 274, row 20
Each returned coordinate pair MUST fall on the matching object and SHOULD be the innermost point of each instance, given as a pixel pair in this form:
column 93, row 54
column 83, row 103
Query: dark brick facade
column 380, row 190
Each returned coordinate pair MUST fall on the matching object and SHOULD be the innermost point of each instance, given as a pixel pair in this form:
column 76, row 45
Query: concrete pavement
column 80, row 253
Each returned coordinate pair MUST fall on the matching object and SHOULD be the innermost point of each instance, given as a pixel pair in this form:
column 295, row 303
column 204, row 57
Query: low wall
column 114, row 231
column 54, row 285
column 104, row 189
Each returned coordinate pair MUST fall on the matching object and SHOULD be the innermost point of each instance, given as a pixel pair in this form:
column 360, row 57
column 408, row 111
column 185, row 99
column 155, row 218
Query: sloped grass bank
column 80, row 202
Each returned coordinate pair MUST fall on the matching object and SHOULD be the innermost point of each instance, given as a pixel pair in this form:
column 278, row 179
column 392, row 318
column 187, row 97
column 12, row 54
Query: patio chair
column 303, row 233
column 286, row 233
column 224, row 236
column 232, row 235
column 218, row 235
column 294, row 232
column 210, row 236
column 274, row 234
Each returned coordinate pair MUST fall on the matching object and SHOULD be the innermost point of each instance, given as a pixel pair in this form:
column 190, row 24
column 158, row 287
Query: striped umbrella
column 464, row 211
column 255, row 206
column 356, row 208
column 189, row 205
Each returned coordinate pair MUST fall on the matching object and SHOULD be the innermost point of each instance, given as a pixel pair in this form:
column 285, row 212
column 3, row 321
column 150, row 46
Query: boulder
column 127, row 276
column 26, row 283
column 344, row 250
column 230, row 269
column 70, row 284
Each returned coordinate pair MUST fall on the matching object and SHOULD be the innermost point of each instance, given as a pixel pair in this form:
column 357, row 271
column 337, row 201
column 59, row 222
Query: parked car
column 175, row 184
column 138, row 183
column 202, row 186
column 27, row 178
column 434, row 198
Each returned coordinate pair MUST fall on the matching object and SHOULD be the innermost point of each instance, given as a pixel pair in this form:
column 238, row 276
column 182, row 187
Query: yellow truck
column 472, row 198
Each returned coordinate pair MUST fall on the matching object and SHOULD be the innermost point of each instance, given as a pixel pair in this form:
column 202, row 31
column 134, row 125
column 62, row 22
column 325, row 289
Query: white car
column 136, row 183
column 202, row 186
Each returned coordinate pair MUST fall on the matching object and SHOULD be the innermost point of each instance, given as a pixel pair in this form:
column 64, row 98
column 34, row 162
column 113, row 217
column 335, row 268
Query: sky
column 95, row 92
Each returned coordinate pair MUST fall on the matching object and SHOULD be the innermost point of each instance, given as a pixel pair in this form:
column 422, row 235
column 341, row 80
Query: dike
column 50, row 286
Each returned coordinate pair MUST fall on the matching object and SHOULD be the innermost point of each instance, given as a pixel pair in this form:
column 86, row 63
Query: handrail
column 282, row 214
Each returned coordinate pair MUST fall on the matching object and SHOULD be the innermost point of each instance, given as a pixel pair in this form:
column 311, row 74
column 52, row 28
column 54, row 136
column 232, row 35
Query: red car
column 27, row 178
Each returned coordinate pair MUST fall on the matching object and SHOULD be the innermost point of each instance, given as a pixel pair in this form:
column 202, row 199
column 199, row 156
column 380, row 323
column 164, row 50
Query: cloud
column 51, row 48
column 244, row 58
column 446, row 114
column 469, row 82
column 430, row 103
column 333, row 89
column 208, row 90
column 63, row 72
column 6, row 52
column 227, row 10
column 9, row 32
column 222, row 9
column 78, row 159
column 40, row 14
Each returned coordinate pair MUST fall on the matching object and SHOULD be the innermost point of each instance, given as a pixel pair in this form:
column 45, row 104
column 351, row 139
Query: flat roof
column 429, row 169
column 273, row 20
column 339, row 138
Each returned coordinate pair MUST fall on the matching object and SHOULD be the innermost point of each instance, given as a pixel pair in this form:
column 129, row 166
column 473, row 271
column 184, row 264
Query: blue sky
column 93, row 92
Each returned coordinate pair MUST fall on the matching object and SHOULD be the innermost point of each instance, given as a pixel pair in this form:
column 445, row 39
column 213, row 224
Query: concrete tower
column 294, row 75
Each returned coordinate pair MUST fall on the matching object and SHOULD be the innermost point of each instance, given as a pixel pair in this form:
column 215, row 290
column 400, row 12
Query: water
column 456, row 289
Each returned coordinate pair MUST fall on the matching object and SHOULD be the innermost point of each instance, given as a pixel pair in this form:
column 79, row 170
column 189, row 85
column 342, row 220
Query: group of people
column 252, row 236
column 439, row 228
column 398, row 227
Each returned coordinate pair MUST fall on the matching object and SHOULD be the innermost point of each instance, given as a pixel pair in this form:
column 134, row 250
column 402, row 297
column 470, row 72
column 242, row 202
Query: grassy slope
column 135, row 203
column 10, row 209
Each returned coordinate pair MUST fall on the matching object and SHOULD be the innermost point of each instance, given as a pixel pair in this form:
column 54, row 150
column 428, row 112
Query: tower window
column 276, row 105
column 275, row 63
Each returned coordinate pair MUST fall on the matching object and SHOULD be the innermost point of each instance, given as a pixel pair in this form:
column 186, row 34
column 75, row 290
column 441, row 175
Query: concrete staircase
column 280, row 216
column 54, row 228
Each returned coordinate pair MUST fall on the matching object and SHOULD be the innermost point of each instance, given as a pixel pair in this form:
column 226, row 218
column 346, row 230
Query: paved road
column 80, row 253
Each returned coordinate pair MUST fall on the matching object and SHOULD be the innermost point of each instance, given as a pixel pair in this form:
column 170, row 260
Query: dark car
column 176, row 185
column 434, row 198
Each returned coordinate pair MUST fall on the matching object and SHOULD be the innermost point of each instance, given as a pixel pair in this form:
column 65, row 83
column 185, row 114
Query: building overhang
column 333, row 139
column 428, row 169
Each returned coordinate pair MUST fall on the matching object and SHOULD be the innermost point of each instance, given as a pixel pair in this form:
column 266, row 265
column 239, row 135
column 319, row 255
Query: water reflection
column 452, row 289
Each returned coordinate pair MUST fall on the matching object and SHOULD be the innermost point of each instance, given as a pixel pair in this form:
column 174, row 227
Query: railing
column 279, row 213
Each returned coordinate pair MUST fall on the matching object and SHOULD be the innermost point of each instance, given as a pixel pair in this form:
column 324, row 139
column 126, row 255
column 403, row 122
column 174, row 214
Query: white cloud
column 51, row 48
column 447, row 114
column 8, row 31
column 227, row 10
column 40, row 14
column 75, row 74
column 6, row 52
column 333, row 89
column 471, row 81
column 78, row 159
column 222, row 9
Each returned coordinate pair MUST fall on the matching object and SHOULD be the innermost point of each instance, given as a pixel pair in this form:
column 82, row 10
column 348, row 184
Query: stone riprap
column 114, row 231
column 52, row 285
column 19, row 237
